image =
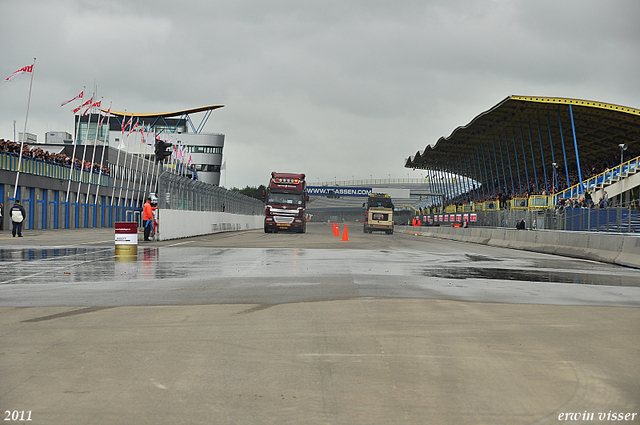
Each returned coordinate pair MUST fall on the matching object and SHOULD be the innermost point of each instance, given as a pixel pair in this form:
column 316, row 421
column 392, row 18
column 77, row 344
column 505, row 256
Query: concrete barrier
column 621, row 249
column 176, row 224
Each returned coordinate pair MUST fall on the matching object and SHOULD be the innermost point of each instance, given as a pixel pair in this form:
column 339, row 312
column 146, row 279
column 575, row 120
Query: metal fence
column 179, row 193
column 620, row 220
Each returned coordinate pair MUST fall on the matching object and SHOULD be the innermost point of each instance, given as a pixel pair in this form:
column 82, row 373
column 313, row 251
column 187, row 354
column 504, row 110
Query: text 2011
column 17, row 415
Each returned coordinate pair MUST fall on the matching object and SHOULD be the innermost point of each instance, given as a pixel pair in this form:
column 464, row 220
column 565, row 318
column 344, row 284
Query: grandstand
column 550, row 157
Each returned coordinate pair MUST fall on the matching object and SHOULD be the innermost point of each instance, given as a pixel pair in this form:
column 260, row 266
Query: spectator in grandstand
column 1, row 214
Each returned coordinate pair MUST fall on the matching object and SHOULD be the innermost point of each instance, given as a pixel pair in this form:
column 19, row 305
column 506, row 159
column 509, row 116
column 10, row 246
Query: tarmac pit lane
column 94, row 276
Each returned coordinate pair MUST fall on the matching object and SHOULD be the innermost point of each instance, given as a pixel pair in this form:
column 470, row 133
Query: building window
column 205, row 149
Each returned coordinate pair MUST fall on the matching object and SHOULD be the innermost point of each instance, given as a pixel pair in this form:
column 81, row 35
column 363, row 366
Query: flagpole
column 124, row 167
column 140, row 186
column 135, row 177
column 73, row 154
column 104, row 147
column 93, row 154
column 115, row 178
column 24, row 133
column 84, row 152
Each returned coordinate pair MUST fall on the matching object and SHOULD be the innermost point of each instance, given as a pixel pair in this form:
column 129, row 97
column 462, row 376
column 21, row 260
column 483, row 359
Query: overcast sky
column 334, row 89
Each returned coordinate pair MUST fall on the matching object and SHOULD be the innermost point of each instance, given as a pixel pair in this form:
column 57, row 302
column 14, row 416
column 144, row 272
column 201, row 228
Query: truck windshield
column 285, row 198
column 380, row 202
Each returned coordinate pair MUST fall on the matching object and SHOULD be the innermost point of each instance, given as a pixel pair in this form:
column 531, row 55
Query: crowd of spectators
column 39, row 154
column 589, row 169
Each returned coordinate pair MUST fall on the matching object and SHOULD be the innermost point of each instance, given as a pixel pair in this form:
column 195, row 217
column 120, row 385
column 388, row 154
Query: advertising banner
column 338, row 191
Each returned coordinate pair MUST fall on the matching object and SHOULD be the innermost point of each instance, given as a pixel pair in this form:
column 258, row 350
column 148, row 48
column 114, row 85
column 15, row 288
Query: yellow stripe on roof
column 579, row 102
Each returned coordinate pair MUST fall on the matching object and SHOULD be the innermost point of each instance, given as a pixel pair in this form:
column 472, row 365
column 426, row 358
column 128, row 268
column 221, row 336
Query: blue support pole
column 515, row 151
column 524, row 159
column 475, row 177
column 575, row 144
column 493, row 184
column 464, row 193
column 465, row 178
column 459, row 187
column 504, row 174
column 544, row 167
column 445, row 190
column 495, row 158
column 32, row 206
column 533, row 159
column 479, row 168
column 486, row 175
column 564, row 153
column 475, row 174
column 66, row 214
column 455, row 189
column 513, row 186
column 553, row 157
column 56, row 208
column 44, row 208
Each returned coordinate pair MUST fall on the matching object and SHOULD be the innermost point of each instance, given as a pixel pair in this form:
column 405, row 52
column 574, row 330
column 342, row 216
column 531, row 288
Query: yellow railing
column 9, row 162
column 519, row 203
column 490, row 206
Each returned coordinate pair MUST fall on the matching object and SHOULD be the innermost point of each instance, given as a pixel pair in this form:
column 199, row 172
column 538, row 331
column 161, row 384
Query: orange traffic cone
column 336, row 230
column 345, row 235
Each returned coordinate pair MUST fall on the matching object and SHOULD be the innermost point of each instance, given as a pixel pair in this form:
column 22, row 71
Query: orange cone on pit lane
column 345, row 235
column 336, row 229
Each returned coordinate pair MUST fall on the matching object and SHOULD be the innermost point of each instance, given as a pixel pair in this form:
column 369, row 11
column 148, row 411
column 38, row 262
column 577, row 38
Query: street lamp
column 623, row 147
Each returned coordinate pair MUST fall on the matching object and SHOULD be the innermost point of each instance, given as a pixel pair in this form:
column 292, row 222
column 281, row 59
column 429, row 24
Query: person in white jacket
column 18, row 214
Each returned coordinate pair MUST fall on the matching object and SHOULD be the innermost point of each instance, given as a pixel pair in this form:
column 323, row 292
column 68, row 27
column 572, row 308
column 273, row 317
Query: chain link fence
column 180, row 193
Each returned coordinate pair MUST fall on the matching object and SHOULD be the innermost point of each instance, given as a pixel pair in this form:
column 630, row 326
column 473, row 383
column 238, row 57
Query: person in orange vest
column 147, row 218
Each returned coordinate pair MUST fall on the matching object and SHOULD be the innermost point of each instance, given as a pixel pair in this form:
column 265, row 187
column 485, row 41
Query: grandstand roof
column 166, row 114
column 517, row 120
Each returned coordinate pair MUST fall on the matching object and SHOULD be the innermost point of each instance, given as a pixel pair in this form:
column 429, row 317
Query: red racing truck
column 286, row 202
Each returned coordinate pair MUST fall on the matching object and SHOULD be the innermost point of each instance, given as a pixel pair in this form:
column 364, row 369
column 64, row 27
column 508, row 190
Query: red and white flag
column 125, row 124
column 134, row 128
column 88, row 102
column 79, row 96
column 104, row 116
column 93, row 105
column 26, row 69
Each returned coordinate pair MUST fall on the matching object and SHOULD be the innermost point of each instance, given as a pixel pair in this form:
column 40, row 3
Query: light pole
column 623, row 147
column 554, row 178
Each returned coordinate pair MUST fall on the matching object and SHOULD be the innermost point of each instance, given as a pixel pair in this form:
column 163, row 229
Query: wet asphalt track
column 270, row 269
column 249, row 328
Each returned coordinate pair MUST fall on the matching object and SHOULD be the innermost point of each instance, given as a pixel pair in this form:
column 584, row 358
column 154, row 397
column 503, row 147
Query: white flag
column 71, row 100
column 26, row 69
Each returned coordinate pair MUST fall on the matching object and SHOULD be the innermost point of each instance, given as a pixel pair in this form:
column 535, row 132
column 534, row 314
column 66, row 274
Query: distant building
column 31, row 138
column 58, row 137
column 205, row 148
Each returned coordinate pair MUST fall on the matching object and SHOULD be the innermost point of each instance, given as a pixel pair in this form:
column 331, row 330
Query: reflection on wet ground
column 550, row 276
column 159, row 275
